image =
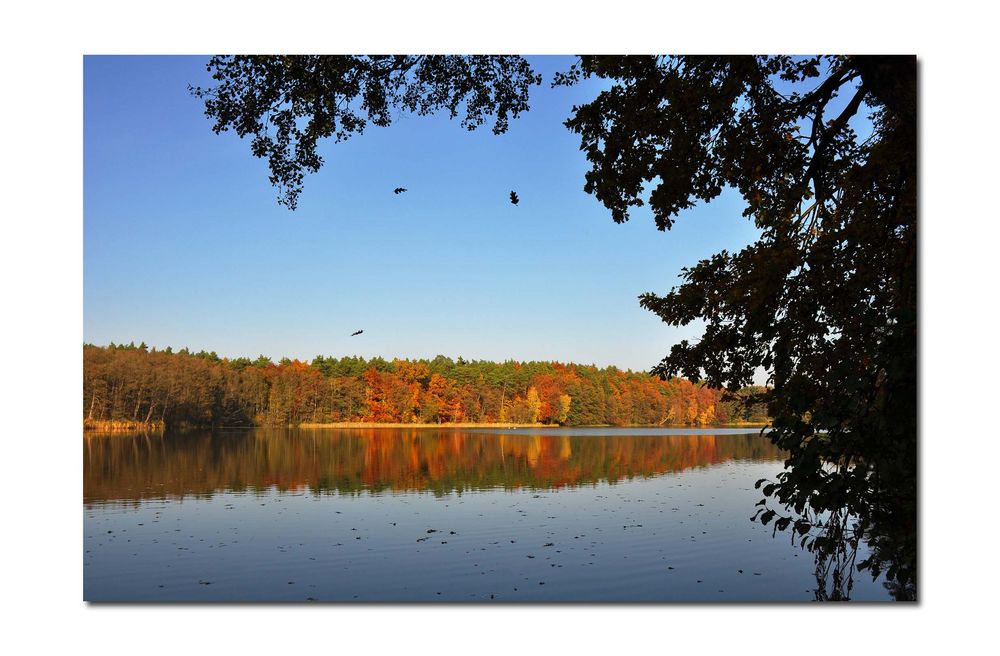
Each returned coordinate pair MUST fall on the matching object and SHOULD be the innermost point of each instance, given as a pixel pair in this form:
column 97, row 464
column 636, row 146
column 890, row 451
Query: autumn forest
column 131, row 386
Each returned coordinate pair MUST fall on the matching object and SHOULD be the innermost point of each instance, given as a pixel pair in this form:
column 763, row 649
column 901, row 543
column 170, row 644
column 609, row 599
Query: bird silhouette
column 398, row 190
column 357, row 332
column 513, row 198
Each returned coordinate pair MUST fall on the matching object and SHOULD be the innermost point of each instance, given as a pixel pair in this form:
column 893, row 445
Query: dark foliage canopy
column 286, row 104
column 824, row 300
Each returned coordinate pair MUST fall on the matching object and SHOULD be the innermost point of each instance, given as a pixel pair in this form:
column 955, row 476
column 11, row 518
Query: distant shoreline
column 365, row 424
column 121, row 426
column 361, row 424
column 90, row 426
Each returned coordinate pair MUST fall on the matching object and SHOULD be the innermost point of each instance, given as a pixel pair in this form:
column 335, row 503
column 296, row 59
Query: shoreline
column 361, row 424
column 120, row 426
column 90, row 426
column 464, row 424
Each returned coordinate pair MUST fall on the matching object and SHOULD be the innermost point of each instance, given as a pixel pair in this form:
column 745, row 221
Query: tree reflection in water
column 126, row 469
column 350, row 461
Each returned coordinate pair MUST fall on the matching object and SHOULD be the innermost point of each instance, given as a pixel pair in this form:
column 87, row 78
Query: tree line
column 141, row 386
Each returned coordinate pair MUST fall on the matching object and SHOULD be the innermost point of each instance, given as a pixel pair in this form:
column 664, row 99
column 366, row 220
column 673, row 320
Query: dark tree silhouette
column 514, row 200
column 824, row 301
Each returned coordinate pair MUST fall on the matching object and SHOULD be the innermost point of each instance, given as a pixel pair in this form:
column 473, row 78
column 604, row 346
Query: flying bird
column 357, row 332
column 398, row 190
column 513, row 198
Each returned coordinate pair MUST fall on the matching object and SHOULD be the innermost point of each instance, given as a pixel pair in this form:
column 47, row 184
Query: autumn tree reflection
column 130, row 468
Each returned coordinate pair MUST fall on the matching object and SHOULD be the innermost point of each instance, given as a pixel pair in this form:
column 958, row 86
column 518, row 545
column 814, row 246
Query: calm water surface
column 437, row 515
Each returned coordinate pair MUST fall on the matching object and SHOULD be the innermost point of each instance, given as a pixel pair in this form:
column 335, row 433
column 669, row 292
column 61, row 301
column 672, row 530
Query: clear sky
column 185, row 244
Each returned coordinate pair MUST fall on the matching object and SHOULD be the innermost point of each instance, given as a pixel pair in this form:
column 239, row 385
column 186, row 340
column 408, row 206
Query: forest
column 129, row 386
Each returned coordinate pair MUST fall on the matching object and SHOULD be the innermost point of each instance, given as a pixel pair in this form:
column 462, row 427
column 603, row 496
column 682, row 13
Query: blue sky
column 185, row 244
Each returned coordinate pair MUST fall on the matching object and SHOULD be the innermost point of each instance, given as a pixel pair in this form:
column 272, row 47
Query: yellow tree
column 563, row 412
column 534, row 404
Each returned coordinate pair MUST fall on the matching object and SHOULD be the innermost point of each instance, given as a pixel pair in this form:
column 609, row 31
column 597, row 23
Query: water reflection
column 131, row 468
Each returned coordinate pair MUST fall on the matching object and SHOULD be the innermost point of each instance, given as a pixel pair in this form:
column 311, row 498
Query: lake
column 486, row 515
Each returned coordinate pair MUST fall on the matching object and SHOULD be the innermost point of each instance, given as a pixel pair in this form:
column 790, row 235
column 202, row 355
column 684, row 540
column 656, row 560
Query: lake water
column 438, row 515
